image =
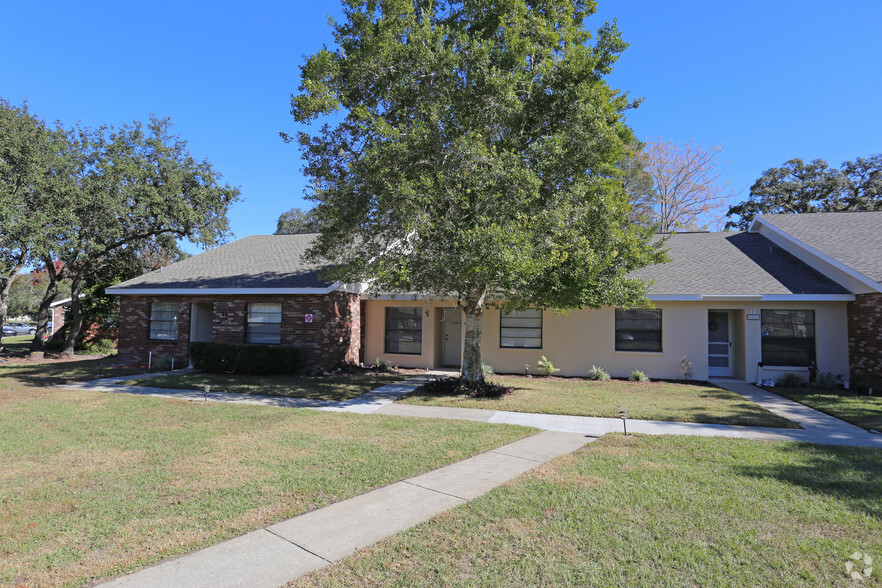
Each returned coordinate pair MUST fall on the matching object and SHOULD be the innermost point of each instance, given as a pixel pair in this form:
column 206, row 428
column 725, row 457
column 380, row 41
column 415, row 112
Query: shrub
column 99, row 347
column 162, row 363
column 638, row 376
column 382, row 365
column 686, row 368
column 546, row 368
column 240, row 358
column 827, row 381
column 790, row 380
column 54, row 345
column 487, row 369
column 456, row 386
column 598, row 373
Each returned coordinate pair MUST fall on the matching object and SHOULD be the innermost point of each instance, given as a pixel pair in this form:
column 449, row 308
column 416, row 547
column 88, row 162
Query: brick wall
column 865, row 338
column 332, row 338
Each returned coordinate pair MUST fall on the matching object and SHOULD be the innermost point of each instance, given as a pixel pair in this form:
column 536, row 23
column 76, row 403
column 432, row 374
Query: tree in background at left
column 297, row 221
column 29, row 160
column 128, row 187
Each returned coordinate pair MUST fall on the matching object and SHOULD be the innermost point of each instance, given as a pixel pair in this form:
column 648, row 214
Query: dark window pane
column 264, row 323
column 788, row 337
column 521, row 329
column 638, row 330
column 404, row 330
column 164, row 321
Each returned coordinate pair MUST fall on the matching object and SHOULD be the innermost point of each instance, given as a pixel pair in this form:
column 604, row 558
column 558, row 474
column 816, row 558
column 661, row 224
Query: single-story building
column 747, row 305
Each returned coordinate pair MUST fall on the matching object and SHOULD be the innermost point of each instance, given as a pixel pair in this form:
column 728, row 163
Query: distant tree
column 689, row 193
column 27, row 292
column 639, row 186
column 118, row 266
column 799, row 187
column 28, row 156
column 476, row 157
column 125, row 187
column 297, row 221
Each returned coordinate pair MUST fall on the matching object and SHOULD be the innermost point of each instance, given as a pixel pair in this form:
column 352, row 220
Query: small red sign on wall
column 307, row 318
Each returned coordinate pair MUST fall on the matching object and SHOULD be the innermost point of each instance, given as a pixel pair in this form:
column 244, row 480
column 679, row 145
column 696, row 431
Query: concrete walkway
column 276, row 554
column 817, row 427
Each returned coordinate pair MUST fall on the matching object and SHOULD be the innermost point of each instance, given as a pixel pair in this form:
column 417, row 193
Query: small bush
column 382, row 365
column 686, row 368
column 638, row 376
column 790, row 380
column 487, row 369
column 598, row 373
column 99, row 347
column 239, row 358
column 54, row 345
column 162, row 363
column 546, row 368
column 827, row 381
column 456, row 386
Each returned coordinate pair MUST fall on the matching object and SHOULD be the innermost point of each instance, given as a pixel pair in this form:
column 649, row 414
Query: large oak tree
column 475, row 156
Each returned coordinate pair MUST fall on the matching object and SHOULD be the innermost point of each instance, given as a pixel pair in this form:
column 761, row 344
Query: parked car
column 20, row 329
column 8, row 331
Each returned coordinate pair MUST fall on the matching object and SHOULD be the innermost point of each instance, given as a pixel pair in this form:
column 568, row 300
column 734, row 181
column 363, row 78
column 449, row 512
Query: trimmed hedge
column 240, row 358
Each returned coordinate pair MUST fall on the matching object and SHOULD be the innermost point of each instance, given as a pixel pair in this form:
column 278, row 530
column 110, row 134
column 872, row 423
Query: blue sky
column 767, row 80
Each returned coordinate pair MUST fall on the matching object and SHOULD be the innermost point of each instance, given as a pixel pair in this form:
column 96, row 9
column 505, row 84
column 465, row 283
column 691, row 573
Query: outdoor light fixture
column 624, row 416
column 207, row 390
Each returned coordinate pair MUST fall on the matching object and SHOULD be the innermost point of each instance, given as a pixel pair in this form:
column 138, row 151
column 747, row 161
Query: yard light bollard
column 527, row 369
column 207, row 389
column 624, row 415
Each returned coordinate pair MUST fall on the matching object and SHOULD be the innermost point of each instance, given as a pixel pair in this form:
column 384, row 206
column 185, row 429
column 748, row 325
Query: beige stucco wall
column 582, row 338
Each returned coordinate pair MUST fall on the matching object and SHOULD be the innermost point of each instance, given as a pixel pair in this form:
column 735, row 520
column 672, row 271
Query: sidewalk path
column 274, row 555
column 817, row 427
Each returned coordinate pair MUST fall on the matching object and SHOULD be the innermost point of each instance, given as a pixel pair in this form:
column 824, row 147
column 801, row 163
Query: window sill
column 639, row 352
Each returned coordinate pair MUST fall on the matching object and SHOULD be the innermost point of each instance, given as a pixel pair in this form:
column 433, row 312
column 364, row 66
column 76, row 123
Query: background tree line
column 92, row 207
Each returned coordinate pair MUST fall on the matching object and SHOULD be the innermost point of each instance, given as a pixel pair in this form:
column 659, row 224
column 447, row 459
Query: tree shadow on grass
column 851, row 475
column 43, row 374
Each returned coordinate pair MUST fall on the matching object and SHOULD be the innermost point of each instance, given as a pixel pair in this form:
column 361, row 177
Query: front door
column 719, row 343
column 452, row 337
column 201, row 317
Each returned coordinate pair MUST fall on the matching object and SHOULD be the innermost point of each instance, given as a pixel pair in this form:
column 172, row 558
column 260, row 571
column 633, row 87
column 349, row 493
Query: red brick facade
column 865, row 338
column 332, row 338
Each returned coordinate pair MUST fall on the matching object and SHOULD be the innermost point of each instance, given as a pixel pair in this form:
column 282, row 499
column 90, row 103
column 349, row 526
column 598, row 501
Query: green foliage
column 598, row 373
column 27, row 292
column 297, row 221
column 798, row 187
column 458, row 386
column 487, row 369
column 383, row 365
column 162, row 363
column 546, row 368
column 790, row 380
column 245, row 359
column 638, row 376
column 477, row 151
column 827, row 381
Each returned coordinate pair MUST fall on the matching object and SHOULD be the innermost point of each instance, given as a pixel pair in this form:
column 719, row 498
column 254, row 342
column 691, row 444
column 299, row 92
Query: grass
column 339, row 388
column 658, row 401
column 648, row 511
column 17, row 344
column 859, row 409
column 95, row 484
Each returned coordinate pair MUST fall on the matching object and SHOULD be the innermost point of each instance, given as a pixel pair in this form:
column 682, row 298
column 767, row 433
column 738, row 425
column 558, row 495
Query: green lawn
column 94, row 484
column 17, row 344
column 860, row 409
column 659, row 401
column 339, row 388
column 649, row 511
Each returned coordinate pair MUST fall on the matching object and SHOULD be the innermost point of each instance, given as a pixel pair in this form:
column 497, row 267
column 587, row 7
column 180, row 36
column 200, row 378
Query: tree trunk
column 43, row 313
column 74, row 319
column 471, row 353
column 6, row 287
